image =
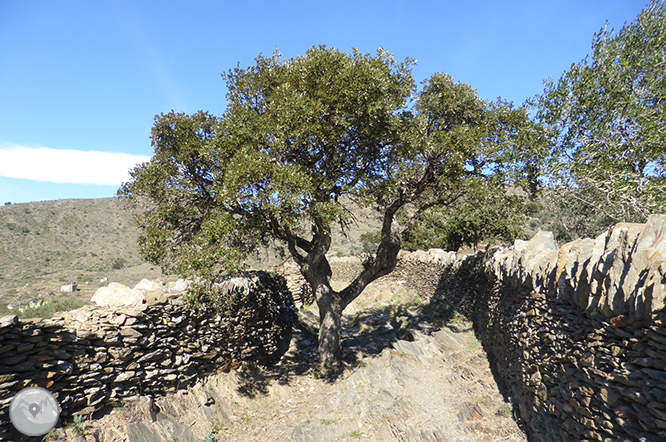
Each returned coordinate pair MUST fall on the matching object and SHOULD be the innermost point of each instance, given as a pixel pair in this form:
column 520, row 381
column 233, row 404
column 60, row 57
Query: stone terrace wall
column 576, row 334
column 95, row 356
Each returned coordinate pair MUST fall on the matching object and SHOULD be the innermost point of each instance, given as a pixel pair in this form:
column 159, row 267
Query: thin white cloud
column 67, row 166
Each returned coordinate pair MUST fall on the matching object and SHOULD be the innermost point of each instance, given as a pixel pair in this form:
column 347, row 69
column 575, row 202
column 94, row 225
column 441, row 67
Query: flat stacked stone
column 96, row 356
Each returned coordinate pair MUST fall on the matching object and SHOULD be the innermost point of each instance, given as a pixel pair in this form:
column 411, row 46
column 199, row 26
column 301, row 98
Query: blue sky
column 81, row 81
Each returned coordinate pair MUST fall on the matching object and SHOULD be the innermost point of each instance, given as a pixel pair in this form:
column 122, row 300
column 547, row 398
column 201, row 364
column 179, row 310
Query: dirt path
column 435, row 388
column 429, row 385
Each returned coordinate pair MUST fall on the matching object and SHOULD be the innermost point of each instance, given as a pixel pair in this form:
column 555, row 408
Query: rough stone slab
column 8, row 321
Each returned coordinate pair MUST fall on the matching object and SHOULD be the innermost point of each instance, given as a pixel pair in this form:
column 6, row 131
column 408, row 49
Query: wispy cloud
column 67, row 166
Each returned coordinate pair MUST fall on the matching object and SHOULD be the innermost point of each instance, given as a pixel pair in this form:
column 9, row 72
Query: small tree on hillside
column 298, row 134
column 485, row 213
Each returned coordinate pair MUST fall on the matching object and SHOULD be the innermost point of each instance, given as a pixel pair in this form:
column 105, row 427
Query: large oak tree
column 297, row 135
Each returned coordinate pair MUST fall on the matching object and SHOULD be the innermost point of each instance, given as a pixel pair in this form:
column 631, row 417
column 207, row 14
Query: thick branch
column 384, row 262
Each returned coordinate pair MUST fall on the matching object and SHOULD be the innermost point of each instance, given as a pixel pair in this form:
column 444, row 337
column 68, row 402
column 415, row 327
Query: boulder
column 118, row 294
column 179, row 286
column 148, row 285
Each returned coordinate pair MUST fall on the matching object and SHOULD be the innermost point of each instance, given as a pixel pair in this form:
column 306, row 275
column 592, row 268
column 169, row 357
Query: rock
column 155, row 296
column 441, row 256
column 655, row 285
column 148, row 285
column 9, row 320
column 125, row 376
column 141, row 432
column 118, row 294
column 179, row 286
column 539, row 257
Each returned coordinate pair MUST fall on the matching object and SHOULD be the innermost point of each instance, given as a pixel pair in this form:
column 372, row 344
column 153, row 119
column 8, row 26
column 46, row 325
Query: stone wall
column 576, row 334
column 96, row 356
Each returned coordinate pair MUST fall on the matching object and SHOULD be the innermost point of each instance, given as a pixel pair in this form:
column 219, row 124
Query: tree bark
column 330, row 325
column 317, row 271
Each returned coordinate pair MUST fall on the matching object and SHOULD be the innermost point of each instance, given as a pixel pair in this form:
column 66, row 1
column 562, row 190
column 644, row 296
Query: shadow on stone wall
column 576, row 335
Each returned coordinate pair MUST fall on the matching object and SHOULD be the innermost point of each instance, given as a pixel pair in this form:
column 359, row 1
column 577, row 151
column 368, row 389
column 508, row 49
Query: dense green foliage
column 606, row 118
column 296, row 136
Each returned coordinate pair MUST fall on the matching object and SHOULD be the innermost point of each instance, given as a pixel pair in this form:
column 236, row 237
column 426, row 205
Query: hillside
column 48, row 244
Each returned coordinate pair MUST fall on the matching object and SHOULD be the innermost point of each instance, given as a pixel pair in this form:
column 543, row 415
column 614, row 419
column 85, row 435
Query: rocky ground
column 405, row 377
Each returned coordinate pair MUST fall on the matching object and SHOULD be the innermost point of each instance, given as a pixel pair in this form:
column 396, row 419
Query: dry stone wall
column 576, row 334
column 97, row 356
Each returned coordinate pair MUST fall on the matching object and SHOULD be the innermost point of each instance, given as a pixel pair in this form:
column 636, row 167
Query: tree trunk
column 317, row 271
column 330, row 316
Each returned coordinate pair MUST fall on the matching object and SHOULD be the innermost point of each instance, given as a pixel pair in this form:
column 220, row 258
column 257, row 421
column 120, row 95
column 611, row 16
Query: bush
column 370, row 242
column 43, row 309
column 118, row 264
column 486, row 215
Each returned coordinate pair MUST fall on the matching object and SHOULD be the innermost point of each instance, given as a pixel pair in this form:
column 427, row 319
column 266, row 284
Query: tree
column 606, row 116
column 296, row 135
column 485, row 213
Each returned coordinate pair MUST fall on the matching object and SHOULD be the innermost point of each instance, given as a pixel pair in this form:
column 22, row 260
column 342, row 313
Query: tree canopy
column 296, row 135
column 606, row 118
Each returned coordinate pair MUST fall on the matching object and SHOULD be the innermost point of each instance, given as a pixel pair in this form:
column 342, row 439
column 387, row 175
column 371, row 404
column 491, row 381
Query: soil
column 404, row 377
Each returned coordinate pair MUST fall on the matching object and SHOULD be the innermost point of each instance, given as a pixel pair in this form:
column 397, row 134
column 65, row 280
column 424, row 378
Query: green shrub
column 118, row 263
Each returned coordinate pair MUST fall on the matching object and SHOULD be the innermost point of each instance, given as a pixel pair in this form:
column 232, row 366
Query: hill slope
column 48, row 244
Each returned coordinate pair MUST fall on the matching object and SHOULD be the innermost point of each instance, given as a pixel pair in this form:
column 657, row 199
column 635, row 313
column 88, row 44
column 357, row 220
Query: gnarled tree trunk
column 317, row 271
column 330, row 325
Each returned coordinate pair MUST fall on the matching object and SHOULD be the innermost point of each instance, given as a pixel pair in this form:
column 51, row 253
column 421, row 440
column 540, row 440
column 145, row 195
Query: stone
column 118, row 294
column 179, row 286
column 155, row 296
column 125, row 376
column 655, row 283
column 8, row 321
column 129, row 332
column 148, row 285
column 13, row 360
column 6, row 348
column 140, row 432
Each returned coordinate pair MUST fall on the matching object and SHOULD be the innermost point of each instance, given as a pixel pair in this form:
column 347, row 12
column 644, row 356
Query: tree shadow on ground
column 364, row 334
column 299, row 360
